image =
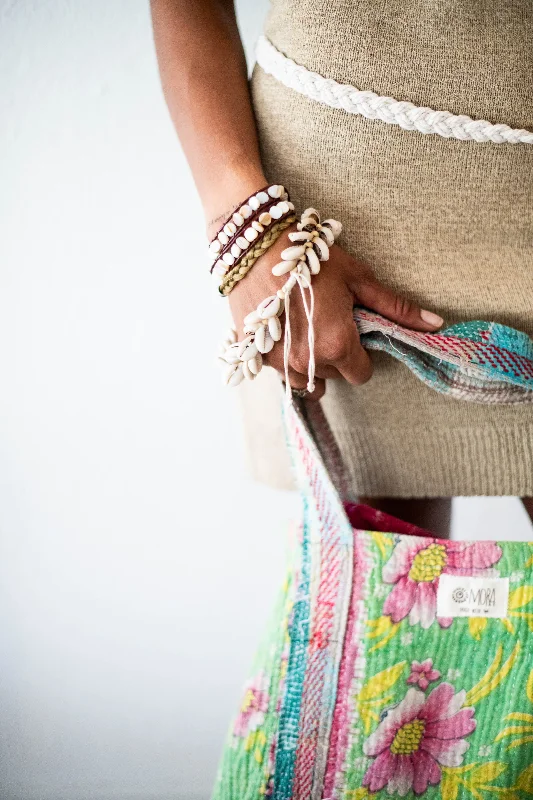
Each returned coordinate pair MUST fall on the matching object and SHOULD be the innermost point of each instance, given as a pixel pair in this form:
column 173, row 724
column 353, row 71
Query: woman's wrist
column 228, row 192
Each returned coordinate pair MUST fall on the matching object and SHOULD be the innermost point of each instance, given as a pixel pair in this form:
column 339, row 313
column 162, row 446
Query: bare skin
column 204, row 78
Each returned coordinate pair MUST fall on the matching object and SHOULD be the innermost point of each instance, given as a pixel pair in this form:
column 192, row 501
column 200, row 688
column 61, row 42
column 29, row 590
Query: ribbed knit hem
column 424, row 463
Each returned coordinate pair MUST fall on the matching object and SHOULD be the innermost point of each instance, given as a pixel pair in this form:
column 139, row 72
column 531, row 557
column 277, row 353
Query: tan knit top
column 445, row 222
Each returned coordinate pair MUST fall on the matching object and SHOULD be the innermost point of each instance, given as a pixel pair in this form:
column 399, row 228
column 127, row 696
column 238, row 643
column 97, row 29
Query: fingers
column 338, row 354
column 372, row 294
column 356, row 367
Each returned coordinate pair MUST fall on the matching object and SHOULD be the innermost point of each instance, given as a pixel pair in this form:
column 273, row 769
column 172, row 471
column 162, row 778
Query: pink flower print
column 253, row 707
column 416, row 738
column 415, row 567
column 422, row 674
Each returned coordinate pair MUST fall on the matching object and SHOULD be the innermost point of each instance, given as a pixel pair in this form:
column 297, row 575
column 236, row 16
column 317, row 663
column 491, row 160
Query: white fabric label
column 460, row 596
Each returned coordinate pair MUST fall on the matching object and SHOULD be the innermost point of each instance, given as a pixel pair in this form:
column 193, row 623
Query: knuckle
column 402, row 306
column 300, row 363
column 333, row 346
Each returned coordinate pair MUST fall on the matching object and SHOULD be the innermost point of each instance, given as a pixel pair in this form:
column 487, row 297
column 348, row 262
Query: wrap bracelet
column 245, row 239
column 246, row 211
column 258, row 248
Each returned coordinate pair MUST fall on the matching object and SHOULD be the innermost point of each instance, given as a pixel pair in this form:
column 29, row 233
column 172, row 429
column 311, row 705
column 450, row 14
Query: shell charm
column 262, row 327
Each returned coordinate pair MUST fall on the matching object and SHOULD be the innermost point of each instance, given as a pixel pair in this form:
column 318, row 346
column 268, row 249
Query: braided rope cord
column 261, row 246
column 387, row 109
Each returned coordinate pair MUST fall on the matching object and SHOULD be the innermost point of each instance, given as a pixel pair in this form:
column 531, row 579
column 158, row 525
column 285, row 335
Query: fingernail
column 431, row 318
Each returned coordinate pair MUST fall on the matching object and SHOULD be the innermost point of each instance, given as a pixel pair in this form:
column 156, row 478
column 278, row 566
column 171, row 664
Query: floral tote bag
column 396, row 664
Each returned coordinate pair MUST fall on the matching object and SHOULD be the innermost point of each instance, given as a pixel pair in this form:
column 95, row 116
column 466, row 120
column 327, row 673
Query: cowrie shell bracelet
column 262, row 327
column 248, row 223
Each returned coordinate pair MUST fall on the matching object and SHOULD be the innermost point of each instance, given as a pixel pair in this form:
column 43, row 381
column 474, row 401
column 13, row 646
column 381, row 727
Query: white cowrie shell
column 245, row 211
column 299, row 236
column 220, row 269
column 274, row 328
column 321, row 249
column 250, row 234
column 252, row 318
column 275, row 191
column 327, row 235
column 247, row 372
column 262, row 197
column 255, row 364
column 275, row 212
column 269, row 341
column 228, row 259
column 223, row 238
column 283, row 267
column 232, row 354
column 286, row 198
column 229, row 228
column 335, row 226
column 248, row 349
column 265, row 218
column 257, row 226
column 234, row 378
column 243, row 344
column 215, row 246
column 242, row 242
column 303, row 270
column 284, row 207
column 269, row 307
column 294, row 252
column 250, row 330
column 238, row 219
column 311, row 212
column 260, row 339
column 313, row 261
column 254, row 203
column 231, row 335
column 235, row 250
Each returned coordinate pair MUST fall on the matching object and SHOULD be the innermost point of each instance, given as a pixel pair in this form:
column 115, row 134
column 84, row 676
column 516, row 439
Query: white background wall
column 131, row 583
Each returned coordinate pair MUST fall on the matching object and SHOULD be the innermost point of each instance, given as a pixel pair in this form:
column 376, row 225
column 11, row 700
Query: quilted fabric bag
column 396, row 664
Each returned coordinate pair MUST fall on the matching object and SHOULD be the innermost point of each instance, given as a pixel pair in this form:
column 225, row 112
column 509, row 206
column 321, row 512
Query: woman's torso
column 470, row 57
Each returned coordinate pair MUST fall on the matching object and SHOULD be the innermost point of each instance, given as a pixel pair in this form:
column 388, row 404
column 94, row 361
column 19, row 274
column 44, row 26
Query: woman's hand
column 341, row 283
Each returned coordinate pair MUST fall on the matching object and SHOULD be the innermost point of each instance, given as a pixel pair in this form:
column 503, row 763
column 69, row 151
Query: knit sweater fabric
column 444, row 222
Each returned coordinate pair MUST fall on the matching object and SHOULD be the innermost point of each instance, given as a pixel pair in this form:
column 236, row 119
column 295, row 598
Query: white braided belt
column 387, row 109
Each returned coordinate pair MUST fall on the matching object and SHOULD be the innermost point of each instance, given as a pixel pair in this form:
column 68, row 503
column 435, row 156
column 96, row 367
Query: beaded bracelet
column 236, row 236
column 248, row 237
column 262, row 327
column 246, row 211
column 244, row 265
column 245, row 243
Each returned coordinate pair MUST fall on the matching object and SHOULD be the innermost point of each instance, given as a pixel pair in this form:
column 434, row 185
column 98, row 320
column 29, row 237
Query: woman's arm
column 205, row 81
column 206, row 87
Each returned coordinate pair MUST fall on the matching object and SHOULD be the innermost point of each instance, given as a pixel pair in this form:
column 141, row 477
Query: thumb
column 373, row 294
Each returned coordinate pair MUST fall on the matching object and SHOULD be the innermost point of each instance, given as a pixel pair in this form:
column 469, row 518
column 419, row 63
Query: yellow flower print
column 523, row 731
column 518, row 598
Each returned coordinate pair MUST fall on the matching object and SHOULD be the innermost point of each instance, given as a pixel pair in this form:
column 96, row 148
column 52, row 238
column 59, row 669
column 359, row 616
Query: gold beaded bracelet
column 245, row 265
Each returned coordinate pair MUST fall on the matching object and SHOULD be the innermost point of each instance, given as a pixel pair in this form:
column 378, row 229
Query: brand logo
column 472, row 596
column 475, row 597
column 460, row 595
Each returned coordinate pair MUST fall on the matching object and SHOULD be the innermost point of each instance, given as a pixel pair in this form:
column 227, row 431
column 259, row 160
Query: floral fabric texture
column 362, row 688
